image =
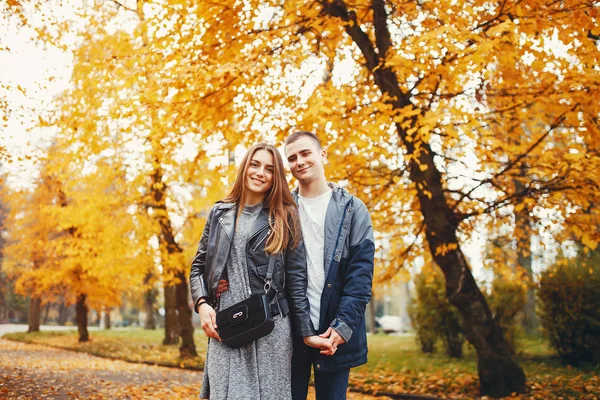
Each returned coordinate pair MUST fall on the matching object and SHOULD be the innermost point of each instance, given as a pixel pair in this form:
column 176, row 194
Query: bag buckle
column 267, row 286
column 237, row 314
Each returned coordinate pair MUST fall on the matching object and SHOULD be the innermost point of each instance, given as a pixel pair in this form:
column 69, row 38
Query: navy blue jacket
column 348, row 261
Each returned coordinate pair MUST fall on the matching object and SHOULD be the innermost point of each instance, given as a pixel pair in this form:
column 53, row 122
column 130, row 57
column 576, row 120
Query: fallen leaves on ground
column 34, row 371
column 394, row 367
column 458, row 385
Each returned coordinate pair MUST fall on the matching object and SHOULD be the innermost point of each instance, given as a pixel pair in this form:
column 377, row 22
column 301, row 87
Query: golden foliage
column 500, row 94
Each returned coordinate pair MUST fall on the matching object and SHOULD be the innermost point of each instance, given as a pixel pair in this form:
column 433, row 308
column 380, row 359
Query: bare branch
column 204, row 97
column 495, row 18
column 511, row 164
column 119, row 4
column 403, row 256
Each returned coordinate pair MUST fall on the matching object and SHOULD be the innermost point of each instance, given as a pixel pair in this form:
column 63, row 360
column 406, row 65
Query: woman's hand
column 325, row 345
column 208, row 320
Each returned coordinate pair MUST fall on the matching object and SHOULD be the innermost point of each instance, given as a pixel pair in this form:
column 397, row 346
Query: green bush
column 506, row 302
column 432, row 315
column 424, row 324
column 569, row 302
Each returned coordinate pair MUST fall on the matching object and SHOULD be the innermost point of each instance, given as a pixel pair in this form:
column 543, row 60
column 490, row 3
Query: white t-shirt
column 312, row 220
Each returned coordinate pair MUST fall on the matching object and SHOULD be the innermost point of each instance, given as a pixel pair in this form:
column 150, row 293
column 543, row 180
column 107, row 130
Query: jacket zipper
column 258, row 232
column 259, row 241
column 247, row 253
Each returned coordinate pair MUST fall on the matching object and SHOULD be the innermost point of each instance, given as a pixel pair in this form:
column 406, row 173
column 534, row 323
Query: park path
column 29, row 371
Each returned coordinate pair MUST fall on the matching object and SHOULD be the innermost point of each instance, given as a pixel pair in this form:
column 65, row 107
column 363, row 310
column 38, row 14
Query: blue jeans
column 330, row 385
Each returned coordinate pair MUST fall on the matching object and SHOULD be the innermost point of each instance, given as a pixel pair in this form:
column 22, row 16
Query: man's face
column 305, row 159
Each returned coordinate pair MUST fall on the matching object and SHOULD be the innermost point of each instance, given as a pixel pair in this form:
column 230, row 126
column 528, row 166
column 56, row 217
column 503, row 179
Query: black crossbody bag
column 248, row 320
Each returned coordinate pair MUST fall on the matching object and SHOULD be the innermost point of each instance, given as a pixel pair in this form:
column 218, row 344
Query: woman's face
column 259, row 175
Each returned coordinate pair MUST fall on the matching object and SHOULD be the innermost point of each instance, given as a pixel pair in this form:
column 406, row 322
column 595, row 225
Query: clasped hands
column 328, row 341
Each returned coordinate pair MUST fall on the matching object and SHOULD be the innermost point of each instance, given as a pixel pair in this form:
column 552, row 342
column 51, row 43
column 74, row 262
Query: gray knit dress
column 262, row 369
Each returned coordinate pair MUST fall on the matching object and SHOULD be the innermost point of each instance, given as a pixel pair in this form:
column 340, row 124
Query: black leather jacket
column 288, row 289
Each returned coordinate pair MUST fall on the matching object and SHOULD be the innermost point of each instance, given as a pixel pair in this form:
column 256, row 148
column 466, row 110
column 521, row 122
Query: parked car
column 390, row 324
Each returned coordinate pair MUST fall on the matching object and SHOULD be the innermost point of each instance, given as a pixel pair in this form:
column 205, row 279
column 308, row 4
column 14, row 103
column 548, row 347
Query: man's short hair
column 299, row 134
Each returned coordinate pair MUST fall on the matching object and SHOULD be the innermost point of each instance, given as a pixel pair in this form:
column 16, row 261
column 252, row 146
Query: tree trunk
column 530, row 321
column 150, row 322
column 149, row 302
column 81, row 316
column 171, row 323
column 63, row 313
column 184, row 309
column 499, row 373
column 372, row 327
column 107, row 324
column 178, row 314
column 454, row 344
column 34, row 315
column 174, row 296
column 530, row 317
column 46, row 312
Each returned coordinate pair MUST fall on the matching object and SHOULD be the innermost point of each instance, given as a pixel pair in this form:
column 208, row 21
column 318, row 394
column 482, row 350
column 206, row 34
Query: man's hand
column 208, row 321
column 222, row 287
column 320, row 343
column 335, row 339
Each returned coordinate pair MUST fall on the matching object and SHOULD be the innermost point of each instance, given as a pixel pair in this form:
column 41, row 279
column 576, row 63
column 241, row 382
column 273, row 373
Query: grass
column 395, row 365
column 135, row 345
column 401, row 353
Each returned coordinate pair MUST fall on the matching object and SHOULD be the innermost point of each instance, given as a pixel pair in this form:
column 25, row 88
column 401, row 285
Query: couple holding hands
column 309, row 253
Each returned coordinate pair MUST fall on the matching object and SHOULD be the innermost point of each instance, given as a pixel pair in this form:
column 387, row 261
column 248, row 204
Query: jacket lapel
column 259, row 223
column 227, row 227
column 227, row 222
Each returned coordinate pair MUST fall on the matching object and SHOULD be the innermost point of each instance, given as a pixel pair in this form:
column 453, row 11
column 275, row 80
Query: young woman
column 257, row 220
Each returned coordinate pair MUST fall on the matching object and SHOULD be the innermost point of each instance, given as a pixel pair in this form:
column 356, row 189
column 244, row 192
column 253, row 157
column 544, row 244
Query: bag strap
column 269, row 275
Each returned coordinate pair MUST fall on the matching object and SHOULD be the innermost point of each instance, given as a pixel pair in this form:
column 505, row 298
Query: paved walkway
column 39, row 372
column 29, row 371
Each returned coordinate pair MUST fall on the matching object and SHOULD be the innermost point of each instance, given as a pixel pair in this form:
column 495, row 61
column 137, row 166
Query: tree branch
column 495, row 18
column 556, row 123
column 517, row 195
column 382, row 34
column 404, row 255
column 338, row 8
column 119, row 4
column 511, row 164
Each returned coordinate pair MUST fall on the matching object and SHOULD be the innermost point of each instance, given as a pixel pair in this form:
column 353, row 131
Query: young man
column 338, row 237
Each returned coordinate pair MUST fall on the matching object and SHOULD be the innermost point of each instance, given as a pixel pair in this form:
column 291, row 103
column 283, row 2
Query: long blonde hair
column 283, row 212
